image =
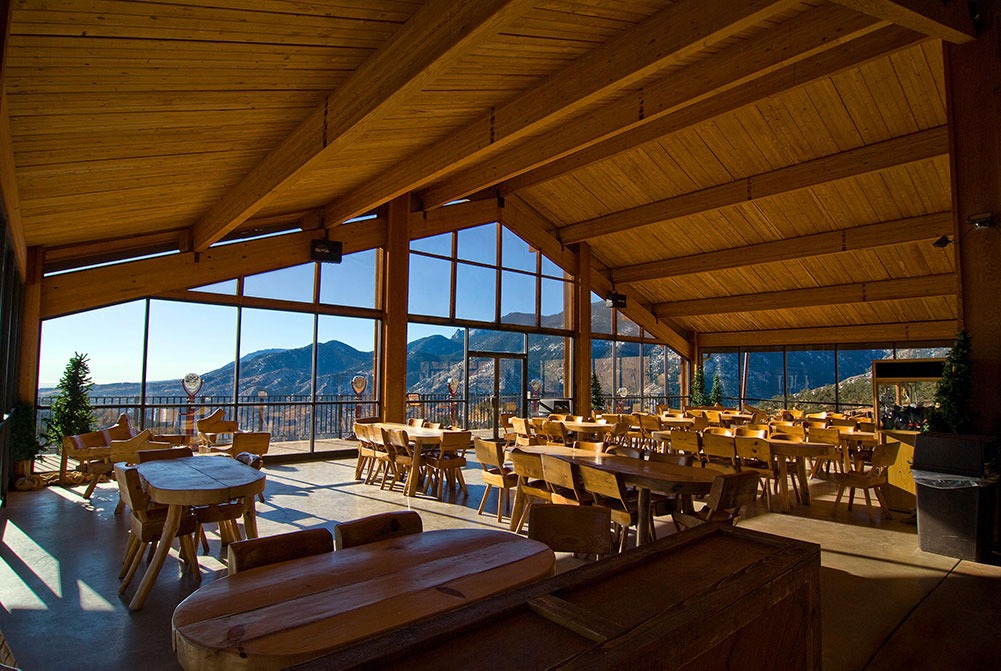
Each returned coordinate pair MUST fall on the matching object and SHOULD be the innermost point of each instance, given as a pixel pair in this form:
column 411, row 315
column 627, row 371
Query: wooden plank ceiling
column 747, row 172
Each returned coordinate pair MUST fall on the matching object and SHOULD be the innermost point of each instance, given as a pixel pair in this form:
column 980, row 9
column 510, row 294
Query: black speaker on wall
column 328, row 251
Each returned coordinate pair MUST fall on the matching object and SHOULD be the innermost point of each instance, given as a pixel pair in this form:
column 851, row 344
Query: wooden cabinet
column 711, row 597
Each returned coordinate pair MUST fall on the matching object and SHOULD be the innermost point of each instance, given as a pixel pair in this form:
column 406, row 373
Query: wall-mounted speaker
column 327, row 251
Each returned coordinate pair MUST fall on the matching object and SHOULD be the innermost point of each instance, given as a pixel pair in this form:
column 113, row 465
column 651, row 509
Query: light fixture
column 942, row 242
column 981, row 220
column 615, row 300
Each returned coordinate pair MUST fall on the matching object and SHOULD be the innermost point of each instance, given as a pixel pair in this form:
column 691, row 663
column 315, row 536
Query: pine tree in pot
column 597, row 394
column 72, row 413
column 716, row 395
column 24, row 444
column 697, row 394
column 952, row 394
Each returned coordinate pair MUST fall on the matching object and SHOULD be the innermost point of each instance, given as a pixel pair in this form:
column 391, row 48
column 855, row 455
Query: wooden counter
column 707, row 598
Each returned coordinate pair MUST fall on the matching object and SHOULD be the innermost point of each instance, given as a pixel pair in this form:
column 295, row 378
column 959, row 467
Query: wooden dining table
column 588, row 429
column 423, row 438
column 646, row 476
column 278, row 615
column 193, row 481
column 799, row 452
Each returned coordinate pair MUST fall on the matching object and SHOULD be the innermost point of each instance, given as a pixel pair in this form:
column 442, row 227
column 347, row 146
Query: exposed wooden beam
column 858, row 51
column 890, row 153
column 453, row 218
column 396, row 282
column 944, row 330
column 675, row 33
column 97, row 287
column 8, row 172
column 944, row 19
column 898, row 231
column 534, row 229
column 860, row 292
column 433, row 40
column 582, row 332
column 803, row 36
column 104, row 251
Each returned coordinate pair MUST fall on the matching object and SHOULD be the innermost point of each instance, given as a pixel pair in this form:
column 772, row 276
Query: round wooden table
column 274, row 616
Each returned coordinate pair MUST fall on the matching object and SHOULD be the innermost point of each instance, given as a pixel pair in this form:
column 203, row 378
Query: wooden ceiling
column 758, row 172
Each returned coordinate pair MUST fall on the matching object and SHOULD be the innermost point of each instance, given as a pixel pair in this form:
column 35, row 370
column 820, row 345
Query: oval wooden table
column 275, row 616
column 800, row 452
column 194, row 481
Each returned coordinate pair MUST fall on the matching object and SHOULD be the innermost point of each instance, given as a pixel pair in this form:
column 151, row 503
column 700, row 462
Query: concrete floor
column 885, row 603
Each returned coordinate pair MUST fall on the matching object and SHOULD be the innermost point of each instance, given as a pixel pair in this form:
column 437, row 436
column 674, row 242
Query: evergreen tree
column 597, row 394
column 71, row 410
column 716, row 395
column 952, row 393
column 697, row 394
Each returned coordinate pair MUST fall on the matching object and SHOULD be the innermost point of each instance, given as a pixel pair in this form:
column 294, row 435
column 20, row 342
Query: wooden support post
column 31, row 327
column 582, row 332
column 973, row 91
column 396, row 287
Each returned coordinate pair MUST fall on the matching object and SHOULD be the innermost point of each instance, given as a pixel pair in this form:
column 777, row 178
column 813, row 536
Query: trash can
column 957, row 481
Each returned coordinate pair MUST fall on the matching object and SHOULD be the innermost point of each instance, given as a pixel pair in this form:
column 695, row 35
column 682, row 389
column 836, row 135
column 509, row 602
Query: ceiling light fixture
column 981, row 220
column 942, row 242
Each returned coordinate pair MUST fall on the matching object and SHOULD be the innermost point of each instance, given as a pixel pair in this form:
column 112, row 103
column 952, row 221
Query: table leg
column 519, row 501
column 170, row 526
column 643, row 516
column 783, row 469
column 804, row 480
column 250, row 517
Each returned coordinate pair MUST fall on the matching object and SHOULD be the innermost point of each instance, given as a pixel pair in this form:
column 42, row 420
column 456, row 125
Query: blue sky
column 187, row 337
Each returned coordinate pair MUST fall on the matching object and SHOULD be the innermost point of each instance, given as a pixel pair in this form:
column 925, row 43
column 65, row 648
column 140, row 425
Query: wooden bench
column 212, row 425
column 92, row 451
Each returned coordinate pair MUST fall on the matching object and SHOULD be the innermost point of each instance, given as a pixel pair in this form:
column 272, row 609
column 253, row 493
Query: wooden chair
column 146, row 525
column 416, row 422
column 213, row 425
column 127, row 451
column 595, row 446
column 564, row 480
column 375, row 528
column 583, row 530
column 532, row 486
column 873, row 477
column 555, row 432
column 80, row 448
column 833, row 437
column 750, row 432
column 172, row 453
column 619, row 435
column 256, row 552
column 609, row 490
column 445, row 465
column 626, row 451
column 755, row 454
column 490, row 456
column 648, row 424
column 789, row 429
column 383, row 462
column 366, row 451
column 255, row 442
column 506, row 428
column 720, row 453
column 405, row 467
column 523, row 433
column 729, row 494
column 687, row 442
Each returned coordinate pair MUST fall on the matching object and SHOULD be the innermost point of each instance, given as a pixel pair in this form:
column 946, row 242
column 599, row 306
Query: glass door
column 496, row 386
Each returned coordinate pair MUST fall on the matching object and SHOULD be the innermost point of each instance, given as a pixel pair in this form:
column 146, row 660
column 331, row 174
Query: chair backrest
column 604, row 483
column 751, row 447
column 527, row 465
column 570, row 528
column 789, row 428
column 377, row 528
column 415, row 422
column 648, row 423
column 537, row 423
column 884, row 455
column 685, row 441
column 400, row 442
column 455, row 441
column 621, row 428
column 700, row 423
column 521, row 426
column 843, row 421
column 677, row 459
column 718, row 430
column 172, row 453
column 625, row 451
column 561, row 473
column 255, row 442
column 729, row 493
column 556, row 417
column 554, row 431
column 214, row 423
column 716, row 445
column 714, row 417
column 505, row 420
column 130, row 489
column 794, row 413
column 255, row 552
column 745, row 431
column 489, row 454
column 823, row 435
column 791, row 437
column 362, row 432
column 128, row 450
column 589, row 445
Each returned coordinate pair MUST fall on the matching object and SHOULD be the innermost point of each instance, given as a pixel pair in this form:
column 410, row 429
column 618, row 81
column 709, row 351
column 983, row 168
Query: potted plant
column 24, row 444
column 697, row 394
column 72, row 413
column 597, row 394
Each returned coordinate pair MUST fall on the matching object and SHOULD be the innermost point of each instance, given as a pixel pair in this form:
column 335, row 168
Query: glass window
column 516, row 253
column 673, row 377
column 478, row 244
column 276, row 354
column 855, row 375
column 551, row 269
column 486, row 340
column 517, row 298
column 475, row 293
column 345, row 351
column 764, row 380
column 602, row 368
column 810, row 379
column 547, row 364
column 289, row 284
column 436, row 244
column 601, row 316
column 553, row 308
column 629, row 377
column 227, row 288
column 728, row 366
column 436, row 355
column 350, row 282
column 654, row 378
column 430, row 286
column 923, row 353
column 625, row 326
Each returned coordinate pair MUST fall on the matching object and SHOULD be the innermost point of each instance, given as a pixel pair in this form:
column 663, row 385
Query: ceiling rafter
column 8, row 176
column 434, row 39
column 857, row 52
column 899, row 231
column 860, row 292
column 870, row 158
column 679, row 31
column 791, row 42
column 867, row 334
column 949, row 21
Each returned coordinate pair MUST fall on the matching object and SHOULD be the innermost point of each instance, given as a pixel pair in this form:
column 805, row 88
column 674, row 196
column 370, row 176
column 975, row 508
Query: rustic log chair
column 729, row 494
column 874, row 477
column 373, row 528
column 146, row 525
column 609, row 490
column 366, row 451
column 127, row 451
column 554, row 431
column 404, row 460
column 565, row 483
column 213, row 425
column 686, row 442
column 80, row 449
column 490, row 456
column 446, row 464
column 255, row 552
column 582, row 530
column 720, row 452
column 532, row 486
